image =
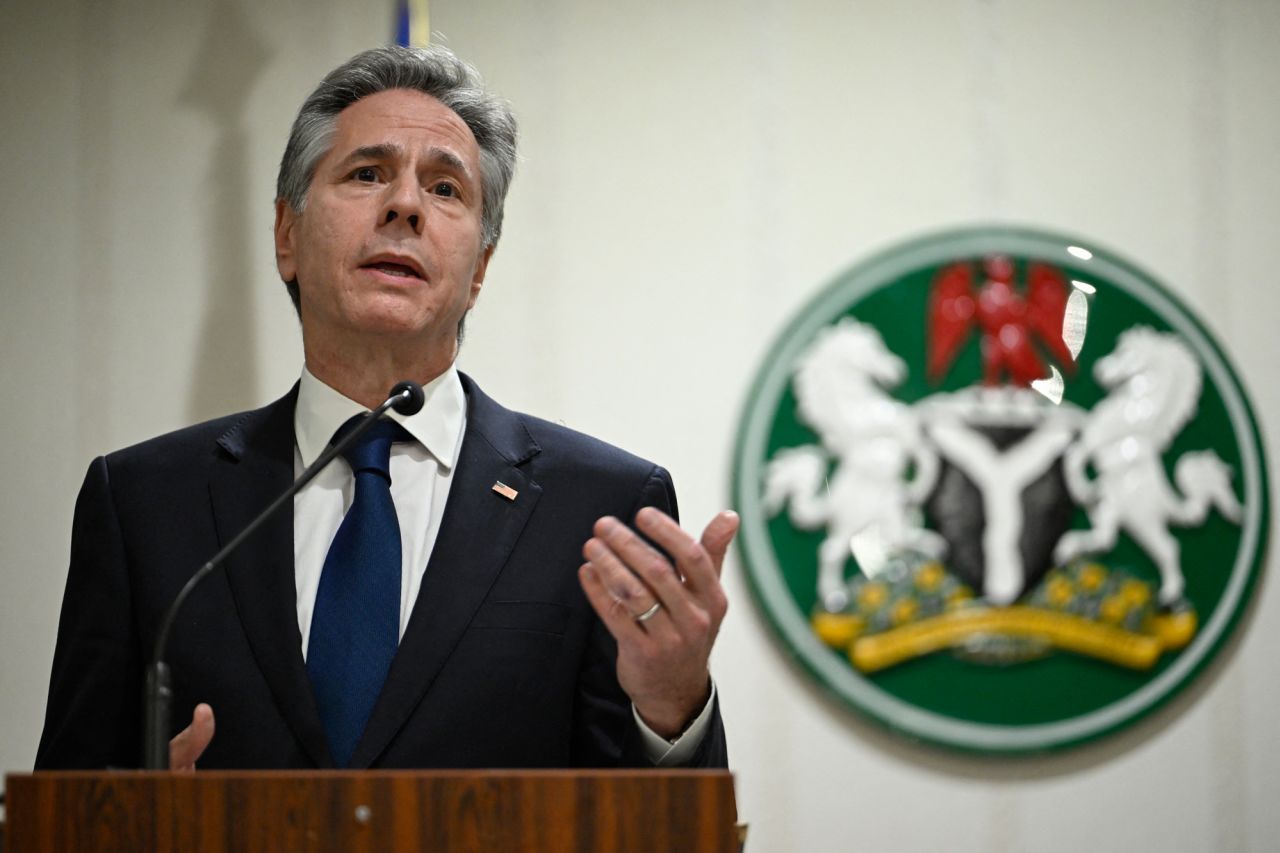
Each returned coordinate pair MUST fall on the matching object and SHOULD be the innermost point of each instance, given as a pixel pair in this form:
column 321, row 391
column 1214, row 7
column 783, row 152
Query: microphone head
column 409, row 397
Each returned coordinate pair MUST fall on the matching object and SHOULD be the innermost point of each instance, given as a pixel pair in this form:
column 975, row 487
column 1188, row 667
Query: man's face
column 390, row 241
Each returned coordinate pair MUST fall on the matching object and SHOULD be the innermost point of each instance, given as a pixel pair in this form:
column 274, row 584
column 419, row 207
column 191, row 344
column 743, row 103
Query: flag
column 412, row 26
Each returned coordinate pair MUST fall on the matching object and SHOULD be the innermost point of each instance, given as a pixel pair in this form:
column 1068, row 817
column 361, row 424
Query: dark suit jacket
column 503, row 662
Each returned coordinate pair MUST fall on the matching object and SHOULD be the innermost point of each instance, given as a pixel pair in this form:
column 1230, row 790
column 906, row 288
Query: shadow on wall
column 227, row 65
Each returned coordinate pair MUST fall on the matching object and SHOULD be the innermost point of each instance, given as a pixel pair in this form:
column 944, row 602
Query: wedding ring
column 648, row 614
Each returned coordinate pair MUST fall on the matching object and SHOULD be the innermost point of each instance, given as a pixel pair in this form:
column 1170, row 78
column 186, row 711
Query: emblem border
column 764, row 576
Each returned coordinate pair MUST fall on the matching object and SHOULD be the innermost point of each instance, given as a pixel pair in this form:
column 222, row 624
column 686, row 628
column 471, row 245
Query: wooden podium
column 543, row 811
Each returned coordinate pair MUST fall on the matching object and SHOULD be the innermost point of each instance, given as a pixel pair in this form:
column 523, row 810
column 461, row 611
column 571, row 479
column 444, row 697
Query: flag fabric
column 412, row 26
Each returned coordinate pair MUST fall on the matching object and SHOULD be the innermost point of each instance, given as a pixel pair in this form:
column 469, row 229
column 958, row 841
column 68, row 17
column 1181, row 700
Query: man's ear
column 477, row 278
column 286, row 258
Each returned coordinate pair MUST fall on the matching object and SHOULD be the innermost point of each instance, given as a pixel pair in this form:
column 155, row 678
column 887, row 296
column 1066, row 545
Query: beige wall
column 693, row 172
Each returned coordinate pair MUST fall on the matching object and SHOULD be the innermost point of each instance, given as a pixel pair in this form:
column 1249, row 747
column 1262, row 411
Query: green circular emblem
column 1000, row 490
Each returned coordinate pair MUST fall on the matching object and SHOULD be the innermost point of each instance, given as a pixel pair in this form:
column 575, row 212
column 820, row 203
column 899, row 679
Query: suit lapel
column 477, row 534
column 256, row 467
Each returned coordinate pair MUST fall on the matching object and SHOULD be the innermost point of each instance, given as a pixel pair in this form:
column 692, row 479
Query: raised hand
column 665, row 618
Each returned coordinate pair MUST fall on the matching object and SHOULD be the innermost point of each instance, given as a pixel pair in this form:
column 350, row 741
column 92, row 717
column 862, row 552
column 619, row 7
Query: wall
column 693, row 172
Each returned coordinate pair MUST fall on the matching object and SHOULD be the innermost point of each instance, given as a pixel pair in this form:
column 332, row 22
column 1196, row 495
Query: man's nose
column 404, row 204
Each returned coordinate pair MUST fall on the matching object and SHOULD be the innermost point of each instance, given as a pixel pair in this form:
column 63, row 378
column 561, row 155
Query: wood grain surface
column 556, row 811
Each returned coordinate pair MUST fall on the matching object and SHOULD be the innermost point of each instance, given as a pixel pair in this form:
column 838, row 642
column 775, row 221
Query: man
column 514, row 621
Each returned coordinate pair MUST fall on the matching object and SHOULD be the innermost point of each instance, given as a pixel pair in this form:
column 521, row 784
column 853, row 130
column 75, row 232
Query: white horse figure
column 839, row 385
column 1154, row 385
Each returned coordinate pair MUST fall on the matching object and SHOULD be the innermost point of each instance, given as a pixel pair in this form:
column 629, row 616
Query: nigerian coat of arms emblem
column 1000, row 491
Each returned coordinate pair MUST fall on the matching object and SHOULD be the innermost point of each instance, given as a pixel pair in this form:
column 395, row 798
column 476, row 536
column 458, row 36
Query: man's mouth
column 396, row 269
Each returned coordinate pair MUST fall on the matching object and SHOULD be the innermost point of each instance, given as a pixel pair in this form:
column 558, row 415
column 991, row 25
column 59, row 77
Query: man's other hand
column 189, row 744
column 662, row 652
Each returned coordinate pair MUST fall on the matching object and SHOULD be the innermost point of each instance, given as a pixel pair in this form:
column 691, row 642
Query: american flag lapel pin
column 505, row 490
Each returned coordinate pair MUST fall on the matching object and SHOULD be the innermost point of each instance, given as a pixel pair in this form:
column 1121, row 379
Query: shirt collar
column 437, row 427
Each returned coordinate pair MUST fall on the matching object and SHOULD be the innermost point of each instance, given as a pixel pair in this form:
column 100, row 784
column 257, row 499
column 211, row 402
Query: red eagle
column 1010, row 321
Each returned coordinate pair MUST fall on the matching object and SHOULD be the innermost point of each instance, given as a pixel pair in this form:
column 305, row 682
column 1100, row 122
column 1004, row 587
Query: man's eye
column 367, row 174
column 446, row 189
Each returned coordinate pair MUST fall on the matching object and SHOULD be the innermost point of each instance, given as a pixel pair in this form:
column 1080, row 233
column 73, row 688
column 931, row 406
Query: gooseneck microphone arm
column 407, row 399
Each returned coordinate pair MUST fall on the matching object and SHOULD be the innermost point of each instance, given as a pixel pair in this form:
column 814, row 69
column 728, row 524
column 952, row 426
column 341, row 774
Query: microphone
column 407, row 399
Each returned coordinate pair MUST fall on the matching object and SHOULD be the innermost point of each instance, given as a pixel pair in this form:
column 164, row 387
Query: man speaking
column 464, row 588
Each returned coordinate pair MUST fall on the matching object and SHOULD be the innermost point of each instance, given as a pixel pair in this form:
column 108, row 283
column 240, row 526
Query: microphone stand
column 407, row 399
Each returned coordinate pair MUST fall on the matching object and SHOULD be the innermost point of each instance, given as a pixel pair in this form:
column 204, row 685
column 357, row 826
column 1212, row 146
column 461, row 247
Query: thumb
column 189, row 744
column 718, row 534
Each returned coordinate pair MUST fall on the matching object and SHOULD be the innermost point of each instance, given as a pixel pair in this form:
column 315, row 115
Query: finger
column 664, row 590
column 695, row 563
column 688, row 615
column 621, row 583
column 718, row 535
column 612, row 612
column 639, row 557
column 189, row 744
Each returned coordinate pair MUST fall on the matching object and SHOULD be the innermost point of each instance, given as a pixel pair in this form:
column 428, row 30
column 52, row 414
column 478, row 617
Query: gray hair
column 433, row 70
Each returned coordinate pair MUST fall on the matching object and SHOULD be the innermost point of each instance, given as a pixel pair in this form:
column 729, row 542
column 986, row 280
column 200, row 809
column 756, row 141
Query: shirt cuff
column 674, row 753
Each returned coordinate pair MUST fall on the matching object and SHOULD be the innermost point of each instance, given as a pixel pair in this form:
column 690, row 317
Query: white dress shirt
column 421, row 474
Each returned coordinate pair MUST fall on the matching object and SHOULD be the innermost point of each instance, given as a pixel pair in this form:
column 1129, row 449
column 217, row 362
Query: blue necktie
column 355, row 627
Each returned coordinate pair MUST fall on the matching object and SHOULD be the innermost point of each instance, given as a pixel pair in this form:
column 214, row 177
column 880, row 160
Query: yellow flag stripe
column 419, row 23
